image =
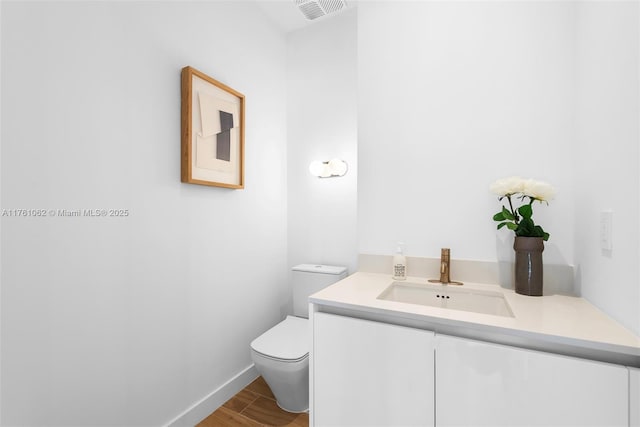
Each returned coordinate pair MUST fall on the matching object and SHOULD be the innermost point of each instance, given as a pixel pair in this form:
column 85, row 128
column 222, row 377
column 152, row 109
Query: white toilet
column 281, row 355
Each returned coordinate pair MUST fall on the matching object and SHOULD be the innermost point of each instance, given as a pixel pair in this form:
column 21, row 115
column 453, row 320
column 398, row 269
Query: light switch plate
column 606, row 230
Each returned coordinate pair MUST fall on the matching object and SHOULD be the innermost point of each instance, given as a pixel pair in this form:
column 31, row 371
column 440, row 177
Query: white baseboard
column 201, row 409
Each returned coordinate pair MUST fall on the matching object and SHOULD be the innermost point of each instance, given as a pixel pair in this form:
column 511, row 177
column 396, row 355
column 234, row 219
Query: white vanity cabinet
column 376, row 361
column 634, row 397
column 483, row 384
column 366, row 373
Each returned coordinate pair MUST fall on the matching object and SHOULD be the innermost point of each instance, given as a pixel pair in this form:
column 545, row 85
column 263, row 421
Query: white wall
column 322, row 124
column 606, row 156
column 453, row 95
column 129, row 321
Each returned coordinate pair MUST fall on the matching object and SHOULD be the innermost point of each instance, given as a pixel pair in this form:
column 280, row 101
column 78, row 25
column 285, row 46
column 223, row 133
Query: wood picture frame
column 212, row 140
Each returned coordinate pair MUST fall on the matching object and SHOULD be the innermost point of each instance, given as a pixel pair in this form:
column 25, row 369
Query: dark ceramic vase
column 528, row 265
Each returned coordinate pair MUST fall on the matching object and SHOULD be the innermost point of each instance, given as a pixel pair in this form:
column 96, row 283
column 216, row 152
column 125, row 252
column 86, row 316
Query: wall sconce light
column 329, row 169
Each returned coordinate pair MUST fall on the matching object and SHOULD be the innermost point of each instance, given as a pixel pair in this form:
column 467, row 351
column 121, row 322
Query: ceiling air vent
column 312, row 9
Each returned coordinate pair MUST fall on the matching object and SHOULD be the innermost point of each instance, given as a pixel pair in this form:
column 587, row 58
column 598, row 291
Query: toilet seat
column 288, row 341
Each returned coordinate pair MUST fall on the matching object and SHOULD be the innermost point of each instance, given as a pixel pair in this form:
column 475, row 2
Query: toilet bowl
column 281, row 354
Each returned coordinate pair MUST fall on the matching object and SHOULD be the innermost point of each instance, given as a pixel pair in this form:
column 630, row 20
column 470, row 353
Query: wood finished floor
column 254, row 406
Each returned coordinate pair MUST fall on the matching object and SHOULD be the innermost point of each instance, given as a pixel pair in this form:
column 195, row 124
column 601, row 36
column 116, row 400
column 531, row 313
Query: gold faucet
column 445, row 268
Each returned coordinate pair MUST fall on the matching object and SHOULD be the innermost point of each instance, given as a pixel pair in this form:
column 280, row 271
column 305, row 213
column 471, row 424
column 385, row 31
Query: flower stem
column 513, row 212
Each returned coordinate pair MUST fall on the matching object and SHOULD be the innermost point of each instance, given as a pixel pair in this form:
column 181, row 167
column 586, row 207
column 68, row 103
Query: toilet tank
column 307, row 279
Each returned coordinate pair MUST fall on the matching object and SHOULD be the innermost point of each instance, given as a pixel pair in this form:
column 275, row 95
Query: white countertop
column 553, row 319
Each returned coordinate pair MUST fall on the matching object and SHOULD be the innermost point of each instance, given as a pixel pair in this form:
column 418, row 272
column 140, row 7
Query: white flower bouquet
column 520, row 220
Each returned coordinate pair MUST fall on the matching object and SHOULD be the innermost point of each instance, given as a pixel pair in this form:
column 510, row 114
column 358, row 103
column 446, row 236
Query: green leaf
column 525, row 228
column 526, row 211
column 511, row 226
column 502, row 224
column 499, row 217
column 538, row 231
column 507, row 214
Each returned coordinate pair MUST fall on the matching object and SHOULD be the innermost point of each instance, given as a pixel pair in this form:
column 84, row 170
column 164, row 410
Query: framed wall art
column 212, row 132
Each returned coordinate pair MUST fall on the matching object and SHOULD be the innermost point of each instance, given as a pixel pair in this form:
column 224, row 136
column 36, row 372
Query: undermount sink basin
column 454, row 298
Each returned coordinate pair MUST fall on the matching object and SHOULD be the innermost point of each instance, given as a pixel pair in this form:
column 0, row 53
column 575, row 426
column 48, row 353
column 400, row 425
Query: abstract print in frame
column 212, row 132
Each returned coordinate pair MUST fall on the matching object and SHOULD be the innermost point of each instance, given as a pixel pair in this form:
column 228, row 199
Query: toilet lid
column 288, row 340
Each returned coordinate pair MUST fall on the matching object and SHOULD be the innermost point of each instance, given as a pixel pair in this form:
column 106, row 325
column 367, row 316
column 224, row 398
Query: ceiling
column 286, row 15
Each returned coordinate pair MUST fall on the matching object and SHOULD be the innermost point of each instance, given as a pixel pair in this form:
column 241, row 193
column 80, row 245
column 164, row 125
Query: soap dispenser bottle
column 399, row 264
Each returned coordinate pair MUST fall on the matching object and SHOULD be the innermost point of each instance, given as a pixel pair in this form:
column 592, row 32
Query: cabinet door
column 482, row 384
column 370, row 374
column 634, row 397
